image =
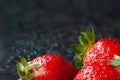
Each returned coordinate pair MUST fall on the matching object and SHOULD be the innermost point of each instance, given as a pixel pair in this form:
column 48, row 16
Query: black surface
column 31, row 28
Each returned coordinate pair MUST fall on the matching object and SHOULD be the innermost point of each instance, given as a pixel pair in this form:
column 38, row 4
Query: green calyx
column 23, row 69
column 86, row 40
column 115, row 62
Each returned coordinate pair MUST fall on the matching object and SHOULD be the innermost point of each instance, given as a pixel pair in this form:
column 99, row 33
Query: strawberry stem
column 23, row 69
column 86, row 40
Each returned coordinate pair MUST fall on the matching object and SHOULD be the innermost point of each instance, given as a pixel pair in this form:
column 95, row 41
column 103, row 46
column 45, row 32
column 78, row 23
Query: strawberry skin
column 89, row 51
column 98, row 71
column 103, row 49
column 98, row 60
column 52, row 67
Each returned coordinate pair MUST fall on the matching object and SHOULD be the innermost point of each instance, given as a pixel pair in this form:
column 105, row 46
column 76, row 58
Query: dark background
column 36, row 27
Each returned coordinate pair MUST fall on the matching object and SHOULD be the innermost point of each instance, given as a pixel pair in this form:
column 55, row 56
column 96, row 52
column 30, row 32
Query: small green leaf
column 79, row 64
column 86, row 40
column 18, row 70
column 81, row 39
column 23, row 60
column 34, row 66
column 23, row 69
column 30, row 77
column 78, row 60
column 116, row 61
column 21, row 66
column 77, row 48
column 116, row 57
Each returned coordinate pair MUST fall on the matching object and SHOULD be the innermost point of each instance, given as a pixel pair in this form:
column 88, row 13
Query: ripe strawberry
column 99, row 71
column 103, row 49
column 46, row 67
column 90, row 51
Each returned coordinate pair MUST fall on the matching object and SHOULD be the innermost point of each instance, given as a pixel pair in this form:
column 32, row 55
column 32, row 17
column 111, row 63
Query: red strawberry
column 98, row 71
column 46, row 67
column 90, row 51
column 103, row 49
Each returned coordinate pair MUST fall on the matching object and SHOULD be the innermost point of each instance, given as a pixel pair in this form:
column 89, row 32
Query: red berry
column 100, row 60
column 51, row 67
column 103, row 49
column 98, row 71
column 89, row 51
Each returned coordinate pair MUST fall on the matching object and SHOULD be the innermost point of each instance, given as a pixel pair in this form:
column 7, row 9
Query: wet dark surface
column 32, row 28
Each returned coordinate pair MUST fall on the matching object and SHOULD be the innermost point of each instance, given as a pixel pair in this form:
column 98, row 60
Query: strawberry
column 103, row 49
column 101, row 70
column 90, row 51
column 46, row 67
